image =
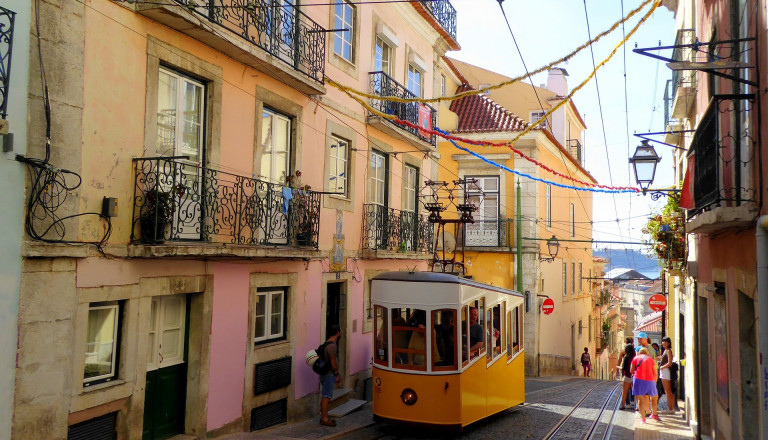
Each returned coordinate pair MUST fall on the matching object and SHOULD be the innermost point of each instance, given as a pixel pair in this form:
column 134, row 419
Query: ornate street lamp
column 552, row 247
column 644, row 164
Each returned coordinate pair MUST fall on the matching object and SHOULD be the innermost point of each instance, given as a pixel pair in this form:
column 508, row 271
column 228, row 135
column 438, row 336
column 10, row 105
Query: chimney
column 556, row 81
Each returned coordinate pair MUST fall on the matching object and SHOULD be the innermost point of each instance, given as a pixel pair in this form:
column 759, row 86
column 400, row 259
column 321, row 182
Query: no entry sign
column 657, row 302
column 548, row 306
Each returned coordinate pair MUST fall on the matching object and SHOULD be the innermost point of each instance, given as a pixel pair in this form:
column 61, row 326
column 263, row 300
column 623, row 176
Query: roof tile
column 481, row 114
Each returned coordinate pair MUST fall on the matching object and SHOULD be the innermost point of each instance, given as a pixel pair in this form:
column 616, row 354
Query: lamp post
column 553, row 246
column 644, row 163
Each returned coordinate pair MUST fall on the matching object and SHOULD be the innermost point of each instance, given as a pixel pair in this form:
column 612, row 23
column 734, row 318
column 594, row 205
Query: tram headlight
column 408, row 396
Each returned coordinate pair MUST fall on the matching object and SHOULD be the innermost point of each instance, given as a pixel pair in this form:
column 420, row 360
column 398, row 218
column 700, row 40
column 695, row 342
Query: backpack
column 673, row 372
column 322, row 366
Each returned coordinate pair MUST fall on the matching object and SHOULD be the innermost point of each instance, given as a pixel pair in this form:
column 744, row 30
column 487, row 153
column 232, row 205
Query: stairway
column 341, row 404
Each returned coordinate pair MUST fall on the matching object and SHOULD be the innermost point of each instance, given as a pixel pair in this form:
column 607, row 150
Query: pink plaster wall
column 229, row 333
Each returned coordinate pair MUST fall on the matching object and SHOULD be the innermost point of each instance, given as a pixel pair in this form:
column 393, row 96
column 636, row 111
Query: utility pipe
column 761, row 243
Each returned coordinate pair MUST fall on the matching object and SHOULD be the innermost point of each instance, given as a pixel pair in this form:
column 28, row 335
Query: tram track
column 569, row 421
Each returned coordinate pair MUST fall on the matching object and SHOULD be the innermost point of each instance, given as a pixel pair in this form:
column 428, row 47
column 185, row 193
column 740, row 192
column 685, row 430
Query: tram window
column 444, row 336
column 473, row 328
column 517, row 323
column 508, row 332
column 409, row 338
column 494, row 331
column 464, row 336
column 382, row 341
column 401, row 335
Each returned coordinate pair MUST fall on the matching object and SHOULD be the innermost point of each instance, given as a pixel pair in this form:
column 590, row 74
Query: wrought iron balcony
column 444, row 13
column 280, row 28
column 397, row 231
column 413, row 112
column 488, row 233
column 178, row 201
column 7, row 18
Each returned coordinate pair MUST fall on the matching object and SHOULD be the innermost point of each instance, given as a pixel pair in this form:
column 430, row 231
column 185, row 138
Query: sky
column 546, row 30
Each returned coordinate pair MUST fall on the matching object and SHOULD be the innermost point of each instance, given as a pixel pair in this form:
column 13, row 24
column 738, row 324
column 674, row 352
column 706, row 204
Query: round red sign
column 548, row 306
column 658, row 302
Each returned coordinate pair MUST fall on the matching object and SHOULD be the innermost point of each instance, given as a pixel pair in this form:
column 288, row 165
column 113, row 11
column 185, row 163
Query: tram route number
column 548, row 306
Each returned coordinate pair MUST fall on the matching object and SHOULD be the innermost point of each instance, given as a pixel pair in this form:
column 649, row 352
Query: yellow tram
column 429, row 371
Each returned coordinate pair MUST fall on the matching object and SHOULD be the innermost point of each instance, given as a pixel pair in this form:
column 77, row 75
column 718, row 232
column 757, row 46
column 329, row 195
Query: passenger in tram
column 643, row 369
column 401, row 338
column 418, row 341
column 445, row 339
column 475, row 333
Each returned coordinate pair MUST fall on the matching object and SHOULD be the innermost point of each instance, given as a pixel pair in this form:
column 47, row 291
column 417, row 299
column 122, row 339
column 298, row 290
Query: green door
column 166, row 387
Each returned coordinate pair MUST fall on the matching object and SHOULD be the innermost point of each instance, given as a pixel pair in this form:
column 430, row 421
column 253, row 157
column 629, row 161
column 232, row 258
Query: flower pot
column 152, row 229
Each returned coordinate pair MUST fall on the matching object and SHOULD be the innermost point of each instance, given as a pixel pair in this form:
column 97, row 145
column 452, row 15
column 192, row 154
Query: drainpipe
column 761, row 243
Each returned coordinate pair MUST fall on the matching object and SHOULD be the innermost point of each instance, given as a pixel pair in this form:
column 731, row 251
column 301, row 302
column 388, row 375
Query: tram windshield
column 444, row 337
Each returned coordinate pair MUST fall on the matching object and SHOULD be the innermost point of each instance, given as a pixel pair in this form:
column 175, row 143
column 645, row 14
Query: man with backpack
column 329, row 380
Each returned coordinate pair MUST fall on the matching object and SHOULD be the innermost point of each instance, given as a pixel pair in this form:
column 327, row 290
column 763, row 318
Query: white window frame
column 175, row 126
column 158, row 327
column 340, row 162
column 548, row 206
column 344, row 18
column 536, row 115
column 572, row 220
column 382, row 56
column 115, row 343
column 565, row 279
column 270, row 334
column 410, row 201
column 581, row 278
column 482, row 189
column 415, row 83
column 274, row 149
column 377, row 180
column 573, row 279
column 443, row 85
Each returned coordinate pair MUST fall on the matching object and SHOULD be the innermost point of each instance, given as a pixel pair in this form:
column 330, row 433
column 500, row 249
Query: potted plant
column 157, row 212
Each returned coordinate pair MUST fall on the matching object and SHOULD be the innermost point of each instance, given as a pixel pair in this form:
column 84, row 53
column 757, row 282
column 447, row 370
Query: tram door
column 335, row 313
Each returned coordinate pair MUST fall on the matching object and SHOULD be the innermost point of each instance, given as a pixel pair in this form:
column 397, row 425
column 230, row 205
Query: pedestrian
column 625, row 362
column 665, row 372
column 657, row 349
column 643, row 370
column 645, row 342
column 586, row 362
column 328, row 381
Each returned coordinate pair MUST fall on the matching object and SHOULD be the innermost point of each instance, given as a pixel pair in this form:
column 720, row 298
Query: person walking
column 586, row 362
column 643, row 370
column 645, row 342
column 665, row 372
column 625, row 362
column 328, row 381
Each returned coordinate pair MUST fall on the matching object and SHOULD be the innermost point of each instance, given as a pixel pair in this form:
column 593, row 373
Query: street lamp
column 644, row 164
column 552, row 247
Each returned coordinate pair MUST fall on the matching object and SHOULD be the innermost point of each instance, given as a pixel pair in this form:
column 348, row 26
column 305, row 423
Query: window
column 180, row 116
column 573, row 279
column 495, row 339
column 409, row 332
column 581, row 279
column 472, row 325
column 548, row 206
column 516, row 324
column 270, row 316
column 382, row 57
column 381, row 355
column 342, row 39
column 411, row 184
column 573, row 220
column 377, row 182
column 339, row 166
column 580, row 327
column 101, row 343
column 167, row 331
column 443, row 85
column 275, row 147
column 535, row 116
column 444, row 337
column 565, row 279
column 414, row 80
column 485, row 195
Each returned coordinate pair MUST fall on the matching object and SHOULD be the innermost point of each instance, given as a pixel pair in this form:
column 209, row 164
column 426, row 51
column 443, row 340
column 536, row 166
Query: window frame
column 536, row 115
column 414, row 77
column 177, row 149
column 548, row 206
column 116, row 342
column 565, row 279
column 411, row 189
column 333, row 186
column 346, row 39
column 380, row 46
column 276, row 117
column 378, row 181
column 572, row 218
column 269, row 335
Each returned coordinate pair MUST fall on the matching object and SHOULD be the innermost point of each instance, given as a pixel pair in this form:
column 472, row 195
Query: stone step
column 346, row 408
column 340, row 395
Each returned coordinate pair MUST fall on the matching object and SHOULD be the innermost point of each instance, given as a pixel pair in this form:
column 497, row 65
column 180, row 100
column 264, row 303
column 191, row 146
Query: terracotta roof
column 455, row 70
column 481, row 114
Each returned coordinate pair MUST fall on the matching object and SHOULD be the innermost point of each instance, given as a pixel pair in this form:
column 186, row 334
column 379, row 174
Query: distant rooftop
column 623, row 273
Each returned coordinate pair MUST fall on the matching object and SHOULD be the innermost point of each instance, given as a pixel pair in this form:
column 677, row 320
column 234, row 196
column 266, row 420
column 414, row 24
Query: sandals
column 328, row 422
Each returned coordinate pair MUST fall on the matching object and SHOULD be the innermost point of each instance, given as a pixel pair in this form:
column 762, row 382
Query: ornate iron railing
column 276, row 26
column 487, row 233
column 444, row 13
column 7, row 18
column 395, row 230
column 178, row 201
column 383, row 85
column 724, row 155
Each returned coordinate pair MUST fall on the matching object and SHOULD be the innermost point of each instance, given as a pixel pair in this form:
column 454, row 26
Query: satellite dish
column 450, row 242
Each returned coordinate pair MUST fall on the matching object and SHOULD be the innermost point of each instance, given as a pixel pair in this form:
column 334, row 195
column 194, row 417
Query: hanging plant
column 666, row 235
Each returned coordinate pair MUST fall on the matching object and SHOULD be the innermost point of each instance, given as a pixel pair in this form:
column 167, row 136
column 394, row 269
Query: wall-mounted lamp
column 552, row 247
column 644, row 163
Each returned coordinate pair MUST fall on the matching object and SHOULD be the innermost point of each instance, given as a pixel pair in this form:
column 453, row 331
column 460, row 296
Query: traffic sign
column 548, row 306
column 658, row 302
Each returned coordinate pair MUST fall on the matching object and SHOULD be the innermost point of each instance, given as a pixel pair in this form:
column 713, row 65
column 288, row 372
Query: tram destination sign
column 548, row 306
column 657, row 302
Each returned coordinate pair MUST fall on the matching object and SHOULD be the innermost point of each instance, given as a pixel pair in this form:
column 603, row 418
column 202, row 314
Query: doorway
column 750, row 407
column 166, row 387
column 335, row 313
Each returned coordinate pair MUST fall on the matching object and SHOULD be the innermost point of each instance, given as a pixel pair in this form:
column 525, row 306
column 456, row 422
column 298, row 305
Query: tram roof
column 438, row 277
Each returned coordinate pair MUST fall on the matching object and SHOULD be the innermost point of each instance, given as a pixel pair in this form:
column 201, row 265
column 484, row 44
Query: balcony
column 278, row 40
column 419, row 114
column 7, row 18
column 488, row 233
column 683, row 92
column 725, row 167
column 175, row 201
column 574, row 147
column 444, row 14
column 398, row 232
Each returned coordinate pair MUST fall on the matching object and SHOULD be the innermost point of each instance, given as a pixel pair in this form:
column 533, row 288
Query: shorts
column 628, row 379
column 642, row 387
column 664, row 374
column 327, row 384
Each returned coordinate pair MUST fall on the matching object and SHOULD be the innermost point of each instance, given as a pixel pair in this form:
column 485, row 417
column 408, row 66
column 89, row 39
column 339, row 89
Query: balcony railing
column 724, row 163
column 178, row 201
column 278, row 27
column 7, row 18
column 574, row 147
column 444, row 13
column 413, row 112
column 397, row 231
column 488, row 233
column 683, row 78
